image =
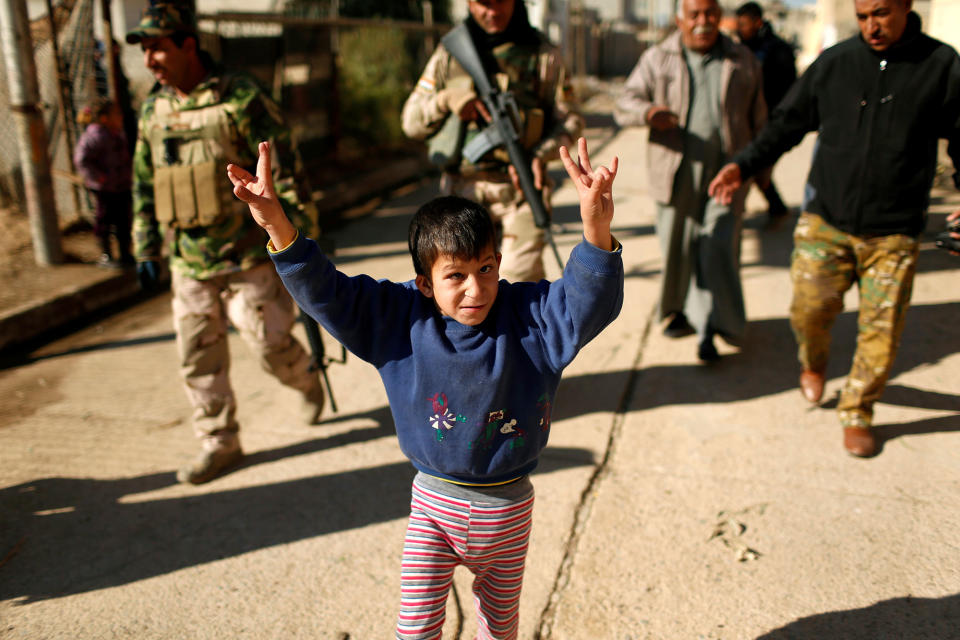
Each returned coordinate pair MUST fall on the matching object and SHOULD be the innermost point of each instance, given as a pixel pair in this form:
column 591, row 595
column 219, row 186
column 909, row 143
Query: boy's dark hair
column 449, row 225
column 751, row 9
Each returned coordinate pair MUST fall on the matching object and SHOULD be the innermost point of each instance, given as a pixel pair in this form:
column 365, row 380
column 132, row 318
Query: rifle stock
column 318, row 361
column 504, row 129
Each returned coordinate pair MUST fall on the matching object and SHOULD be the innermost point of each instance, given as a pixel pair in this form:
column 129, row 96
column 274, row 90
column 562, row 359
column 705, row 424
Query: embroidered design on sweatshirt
column 497, row 423
column 443, row 417
column 545, row 406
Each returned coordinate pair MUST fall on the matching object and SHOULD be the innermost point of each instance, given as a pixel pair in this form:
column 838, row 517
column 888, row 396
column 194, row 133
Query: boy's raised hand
column 257, row 191
column 595, row 188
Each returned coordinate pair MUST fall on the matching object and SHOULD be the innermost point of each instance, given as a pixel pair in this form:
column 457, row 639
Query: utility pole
column 109, row 54
column 25, row 105
column 64, row 101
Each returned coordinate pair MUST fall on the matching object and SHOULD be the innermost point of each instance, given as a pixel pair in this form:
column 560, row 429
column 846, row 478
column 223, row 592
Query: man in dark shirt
column 779, row 73
column 880, row 101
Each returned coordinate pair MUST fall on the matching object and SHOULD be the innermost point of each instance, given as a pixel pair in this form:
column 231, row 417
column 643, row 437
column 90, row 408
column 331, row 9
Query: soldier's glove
column 454, row 99
column 148, row 274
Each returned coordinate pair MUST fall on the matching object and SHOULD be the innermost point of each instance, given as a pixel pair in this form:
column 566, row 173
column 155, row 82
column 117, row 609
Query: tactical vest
column 190, row 149
column 519, row 74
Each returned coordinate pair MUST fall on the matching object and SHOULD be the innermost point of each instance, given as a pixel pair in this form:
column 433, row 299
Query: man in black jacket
column 779, row 66
column 880, row 101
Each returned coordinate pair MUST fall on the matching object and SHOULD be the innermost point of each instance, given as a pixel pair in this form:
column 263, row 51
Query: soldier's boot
column 311, row 404
column 221, row 451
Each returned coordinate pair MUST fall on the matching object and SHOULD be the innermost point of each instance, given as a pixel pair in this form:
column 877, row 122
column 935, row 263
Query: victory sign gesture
column 595, row 188
column 257, row 191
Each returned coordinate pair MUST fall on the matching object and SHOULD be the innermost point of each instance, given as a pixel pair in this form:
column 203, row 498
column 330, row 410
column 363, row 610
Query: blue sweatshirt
column 471, row 404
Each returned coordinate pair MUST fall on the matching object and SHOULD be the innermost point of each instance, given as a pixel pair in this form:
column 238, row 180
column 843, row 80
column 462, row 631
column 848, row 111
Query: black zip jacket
column 778, row 62
column 879, row 115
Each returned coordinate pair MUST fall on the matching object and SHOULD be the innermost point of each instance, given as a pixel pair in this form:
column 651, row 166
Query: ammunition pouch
column 445, row 147
column 188, row 196
column 190, row 150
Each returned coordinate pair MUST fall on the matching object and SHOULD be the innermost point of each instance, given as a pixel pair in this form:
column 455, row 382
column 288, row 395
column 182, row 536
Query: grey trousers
column 700, row 241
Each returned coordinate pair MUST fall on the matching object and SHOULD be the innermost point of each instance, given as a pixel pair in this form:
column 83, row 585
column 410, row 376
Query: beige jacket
column 661, row 77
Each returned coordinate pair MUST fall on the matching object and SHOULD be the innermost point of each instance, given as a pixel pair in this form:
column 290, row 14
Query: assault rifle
column 504, row 128
column 318, row 356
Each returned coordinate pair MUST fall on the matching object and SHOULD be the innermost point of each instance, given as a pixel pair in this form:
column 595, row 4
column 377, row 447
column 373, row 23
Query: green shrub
column 377, row 70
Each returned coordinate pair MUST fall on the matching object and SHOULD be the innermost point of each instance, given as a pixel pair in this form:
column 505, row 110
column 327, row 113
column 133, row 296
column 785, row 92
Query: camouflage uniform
column 184, row 208
column 826, row 262
column 535, row 75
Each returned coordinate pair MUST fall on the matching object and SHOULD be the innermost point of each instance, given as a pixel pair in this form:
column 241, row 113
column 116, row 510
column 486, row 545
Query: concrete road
column 675, row 500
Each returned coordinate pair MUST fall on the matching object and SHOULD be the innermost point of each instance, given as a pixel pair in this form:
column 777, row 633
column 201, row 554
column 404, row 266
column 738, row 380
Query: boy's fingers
column 572, row 169
column 584, row 155
column 248, row 196
column 263, row 162
column 244, row 194
column 238, row 174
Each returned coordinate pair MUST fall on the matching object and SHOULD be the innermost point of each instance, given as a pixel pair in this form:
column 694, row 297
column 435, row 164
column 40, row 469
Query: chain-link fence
column 340, row 80
column 68, row 77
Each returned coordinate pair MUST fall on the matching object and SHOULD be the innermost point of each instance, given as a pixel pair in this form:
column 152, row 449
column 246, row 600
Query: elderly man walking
column 880, row 101
column 701, row 95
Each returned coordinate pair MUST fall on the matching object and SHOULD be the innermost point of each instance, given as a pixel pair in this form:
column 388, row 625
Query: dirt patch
column 18, row 268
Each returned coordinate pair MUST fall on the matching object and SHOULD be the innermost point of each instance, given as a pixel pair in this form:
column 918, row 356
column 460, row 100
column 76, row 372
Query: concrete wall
column 944, row 23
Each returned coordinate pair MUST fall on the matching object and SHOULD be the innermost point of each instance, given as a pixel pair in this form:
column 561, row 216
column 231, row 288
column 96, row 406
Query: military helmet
column 164, row 18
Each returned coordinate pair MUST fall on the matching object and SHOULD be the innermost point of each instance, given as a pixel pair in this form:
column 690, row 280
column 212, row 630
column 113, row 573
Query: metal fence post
column 64, row 100
column 109, row 54
column 34, row 157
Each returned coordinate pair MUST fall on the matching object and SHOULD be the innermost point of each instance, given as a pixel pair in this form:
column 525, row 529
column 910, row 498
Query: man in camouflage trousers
column 445, row 109
column 879, row 102
column 826, row 262
column 198, row 119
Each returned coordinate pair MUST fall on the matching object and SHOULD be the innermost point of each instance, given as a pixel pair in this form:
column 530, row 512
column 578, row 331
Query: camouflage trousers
column 521, row 241
column 826, row 262
column 261, row 310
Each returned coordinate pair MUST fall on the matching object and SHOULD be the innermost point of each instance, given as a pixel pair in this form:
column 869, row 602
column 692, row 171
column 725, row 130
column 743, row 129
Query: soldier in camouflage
column 198, row 119
column 445, row 109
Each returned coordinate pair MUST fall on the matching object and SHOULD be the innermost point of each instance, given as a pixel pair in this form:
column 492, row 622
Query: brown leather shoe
column 811, row 386
column 859, row 441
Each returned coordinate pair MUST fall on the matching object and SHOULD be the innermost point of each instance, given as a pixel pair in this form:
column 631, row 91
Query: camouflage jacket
column 243, row 117
column 535, row 75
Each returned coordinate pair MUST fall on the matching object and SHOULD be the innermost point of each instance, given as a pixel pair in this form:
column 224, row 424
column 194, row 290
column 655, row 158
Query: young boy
column 471, row 365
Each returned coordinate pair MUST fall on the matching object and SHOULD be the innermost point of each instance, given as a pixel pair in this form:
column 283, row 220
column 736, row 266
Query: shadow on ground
column 63, row 536
column 914, row 618
column 767, row 365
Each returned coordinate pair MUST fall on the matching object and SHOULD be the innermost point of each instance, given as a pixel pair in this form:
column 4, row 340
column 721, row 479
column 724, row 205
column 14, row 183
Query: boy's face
column 464, row 290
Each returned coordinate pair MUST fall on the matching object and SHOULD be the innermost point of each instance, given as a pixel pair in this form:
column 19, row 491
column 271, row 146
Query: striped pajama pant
column 489, row 536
